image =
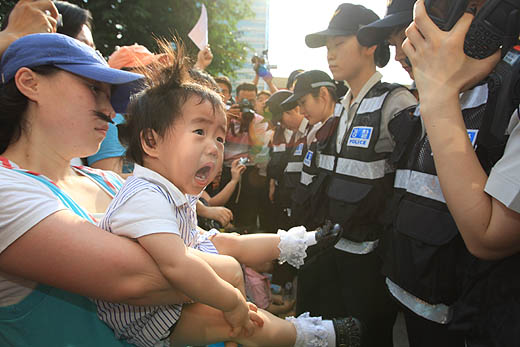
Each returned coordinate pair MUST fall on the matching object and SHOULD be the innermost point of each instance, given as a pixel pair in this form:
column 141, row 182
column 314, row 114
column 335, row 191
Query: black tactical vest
column 354, row 181
column 278, row 154
column 303, row 211
column 423, row 246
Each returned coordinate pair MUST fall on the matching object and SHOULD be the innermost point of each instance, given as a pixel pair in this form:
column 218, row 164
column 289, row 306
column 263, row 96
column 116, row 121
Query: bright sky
column 291, row 20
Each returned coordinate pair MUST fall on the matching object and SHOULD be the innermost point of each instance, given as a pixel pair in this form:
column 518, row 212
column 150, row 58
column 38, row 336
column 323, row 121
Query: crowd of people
column 145, row 202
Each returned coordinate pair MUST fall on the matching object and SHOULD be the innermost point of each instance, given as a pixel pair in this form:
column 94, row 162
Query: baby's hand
column 254, row 316
column 239, row 318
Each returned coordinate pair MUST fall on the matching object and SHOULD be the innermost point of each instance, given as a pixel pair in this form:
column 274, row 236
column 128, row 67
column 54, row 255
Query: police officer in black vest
column 315, row 93
column 450, row 298
column 284, row 168
column 421, row 246
column 355, row 178
column 455, row 158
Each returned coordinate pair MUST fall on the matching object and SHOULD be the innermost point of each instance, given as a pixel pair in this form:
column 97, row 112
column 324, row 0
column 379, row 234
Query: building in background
column 255, row 33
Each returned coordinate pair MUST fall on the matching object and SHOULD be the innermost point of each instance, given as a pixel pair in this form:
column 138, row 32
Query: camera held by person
column 260, row 64
column 495, row 26
column 247, row 112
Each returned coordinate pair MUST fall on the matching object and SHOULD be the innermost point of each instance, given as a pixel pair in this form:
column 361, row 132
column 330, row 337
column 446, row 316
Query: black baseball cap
column 398, row 12
column 346, row 21
column 308, row 81
column 274, row 104
column 292, row 77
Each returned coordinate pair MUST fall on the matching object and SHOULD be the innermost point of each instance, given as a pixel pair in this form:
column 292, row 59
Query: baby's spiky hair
column 167, row 87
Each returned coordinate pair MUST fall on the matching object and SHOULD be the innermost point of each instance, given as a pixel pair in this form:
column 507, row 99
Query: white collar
column 372, row 81
column 179, row 198
column 303, row 125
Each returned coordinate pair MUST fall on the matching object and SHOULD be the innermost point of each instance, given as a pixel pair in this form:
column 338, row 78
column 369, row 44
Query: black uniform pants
column 252, row 201
column 425, row 333
column 334, row 283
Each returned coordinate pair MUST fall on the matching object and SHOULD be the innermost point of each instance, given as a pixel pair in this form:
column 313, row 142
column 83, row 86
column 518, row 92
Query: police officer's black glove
column 328, row 232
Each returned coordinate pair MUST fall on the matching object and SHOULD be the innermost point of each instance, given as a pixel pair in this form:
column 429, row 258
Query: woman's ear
column 324, row 94
column 149, row 142
column 28, row 83
column 370, row 50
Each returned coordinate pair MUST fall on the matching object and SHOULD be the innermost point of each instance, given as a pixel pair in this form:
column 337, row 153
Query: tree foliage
column 125, row 22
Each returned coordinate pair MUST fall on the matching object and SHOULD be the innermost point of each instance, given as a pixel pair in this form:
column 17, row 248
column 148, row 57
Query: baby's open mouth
column 202, row 174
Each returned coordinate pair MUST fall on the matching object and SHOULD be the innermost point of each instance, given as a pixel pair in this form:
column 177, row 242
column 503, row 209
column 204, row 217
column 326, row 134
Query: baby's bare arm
column 195, row 277
column 226, row 267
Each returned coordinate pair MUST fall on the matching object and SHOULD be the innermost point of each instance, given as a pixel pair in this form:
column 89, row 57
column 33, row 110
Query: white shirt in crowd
column 504, row 180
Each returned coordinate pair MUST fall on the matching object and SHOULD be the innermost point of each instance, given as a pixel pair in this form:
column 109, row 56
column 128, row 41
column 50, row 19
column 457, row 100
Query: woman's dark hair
column 168, row 86
column 382, row 54
column 292, row 77
column 13, row 105
column 332, row 92
column 74, row 17
column 396, row 29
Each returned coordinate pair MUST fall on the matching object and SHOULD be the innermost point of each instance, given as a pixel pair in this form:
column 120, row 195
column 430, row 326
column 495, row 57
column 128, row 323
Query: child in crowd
column 175, row 134
column 258, row 289
column 216, row 195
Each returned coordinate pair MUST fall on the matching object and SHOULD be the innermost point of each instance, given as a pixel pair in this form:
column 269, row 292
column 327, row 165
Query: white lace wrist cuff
column 292, row 246
column 310, row 331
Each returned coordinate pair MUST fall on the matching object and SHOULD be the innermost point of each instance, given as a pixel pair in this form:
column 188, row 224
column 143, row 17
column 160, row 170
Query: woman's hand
column 204, row 58
column 237, row 170
column 31, row 17
column 440, row 66
column 243, row 317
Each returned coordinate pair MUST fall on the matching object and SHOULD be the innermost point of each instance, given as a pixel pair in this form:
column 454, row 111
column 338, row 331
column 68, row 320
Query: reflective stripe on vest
column 419, row 183
column 356, row 247
column 438, row 313
column 370, row 105
column 367, row 170
column 306, row 178
column 326, row 162
column 477, row 97
column 294, row 166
